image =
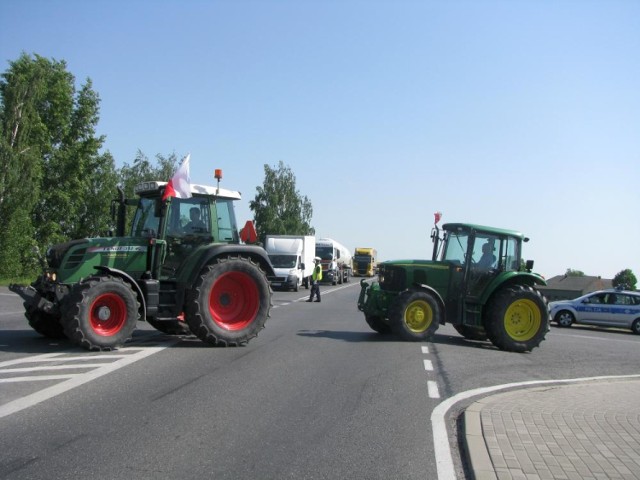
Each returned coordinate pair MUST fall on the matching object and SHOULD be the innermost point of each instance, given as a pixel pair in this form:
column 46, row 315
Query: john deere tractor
column 476, row 281
column 181, row 267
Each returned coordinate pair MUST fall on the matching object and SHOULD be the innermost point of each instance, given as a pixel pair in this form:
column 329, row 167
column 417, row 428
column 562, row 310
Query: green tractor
column 476, row 281
column 181, row 267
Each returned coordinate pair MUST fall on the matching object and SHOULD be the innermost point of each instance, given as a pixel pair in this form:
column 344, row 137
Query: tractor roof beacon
column 476, row 281
column 180, row 266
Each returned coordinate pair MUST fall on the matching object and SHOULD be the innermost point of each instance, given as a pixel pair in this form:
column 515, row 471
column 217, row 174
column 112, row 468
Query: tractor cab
column 180, row 226
column 480, row 254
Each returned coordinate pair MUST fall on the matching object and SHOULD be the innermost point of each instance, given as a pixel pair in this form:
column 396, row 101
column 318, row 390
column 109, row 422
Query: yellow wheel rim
column 418, row 316
column 522, row 320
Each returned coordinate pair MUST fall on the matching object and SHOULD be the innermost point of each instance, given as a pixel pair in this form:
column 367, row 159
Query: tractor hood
column 77, row 259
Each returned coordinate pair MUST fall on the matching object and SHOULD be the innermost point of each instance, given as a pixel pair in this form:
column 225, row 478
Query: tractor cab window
column 510, row 257
column 227, row 228
column 485, row 251
column 190, row 217
column 145, row 223
column 456, row 247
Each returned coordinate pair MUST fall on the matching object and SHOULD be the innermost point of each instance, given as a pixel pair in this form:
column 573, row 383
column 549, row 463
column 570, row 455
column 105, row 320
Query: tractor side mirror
column 529, row 265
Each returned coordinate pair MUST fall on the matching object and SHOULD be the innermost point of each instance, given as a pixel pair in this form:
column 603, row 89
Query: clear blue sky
column 516, row 114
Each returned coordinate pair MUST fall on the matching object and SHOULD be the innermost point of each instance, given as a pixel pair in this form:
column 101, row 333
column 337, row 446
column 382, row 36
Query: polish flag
column 180, row 184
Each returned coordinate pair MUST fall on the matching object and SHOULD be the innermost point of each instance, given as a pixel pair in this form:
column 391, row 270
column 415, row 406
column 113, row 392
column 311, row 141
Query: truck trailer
column 335, row 260
column 292, row 260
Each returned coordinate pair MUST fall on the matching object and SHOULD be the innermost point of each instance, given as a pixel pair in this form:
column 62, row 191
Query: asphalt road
column 316, row 396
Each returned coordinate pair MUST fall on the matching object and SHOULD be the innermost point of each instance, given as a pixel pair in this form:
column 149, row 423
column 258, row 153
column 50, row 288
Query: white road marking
column 432, row 388
column 428, row 366
column 444, row 460
column 425, row 349
column 122, row 359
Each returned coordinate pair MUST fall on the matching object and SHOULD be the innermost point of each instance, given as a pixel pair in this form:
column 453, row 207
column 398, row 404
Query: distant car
column 605, row 308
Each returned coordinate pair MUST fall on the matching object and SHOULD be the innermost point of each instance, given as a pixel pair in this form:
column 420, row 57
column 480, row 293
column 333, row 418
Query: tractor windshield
column 145, row 223
column 456, row 246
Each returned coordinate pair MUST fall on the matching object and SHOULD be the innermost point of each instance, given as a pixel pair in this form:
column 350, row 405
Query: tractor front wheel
column 415, row 316
column 230, row 302
column 101, row 313
column 517, row 319
column 45, row 324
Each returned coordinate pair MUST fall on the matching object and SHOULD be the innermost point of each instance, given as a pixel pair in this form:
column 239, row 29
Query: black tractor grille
column 394, row 279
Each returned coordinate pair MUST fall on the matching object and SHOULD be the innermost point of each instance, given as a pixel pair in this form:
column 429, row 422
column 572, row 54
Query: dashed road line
column 432, row 386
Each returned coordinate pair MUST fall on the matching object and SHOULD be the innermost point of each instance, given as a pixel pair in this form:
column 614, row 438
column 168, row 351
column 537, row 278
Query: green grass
column 4, row 282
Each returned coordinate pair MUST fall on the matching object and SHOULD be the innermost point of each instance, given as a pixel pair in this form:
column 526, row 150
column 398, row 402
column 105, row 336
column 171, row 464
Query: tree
column 573, row 273
column 143, row 170
column 625, row 279
column 54, row 182
column 278, row 207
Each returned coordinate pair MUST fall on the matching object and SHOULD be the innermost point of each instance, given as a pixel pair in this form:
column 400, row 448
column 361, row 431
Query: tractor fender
column 511, row 278
column 438, row 297
column 130, row 280
column 208, row 254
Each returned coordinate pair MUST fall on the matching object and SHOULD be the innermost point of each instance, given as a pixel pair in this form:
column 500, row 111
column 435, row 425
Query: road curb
column 476, row 445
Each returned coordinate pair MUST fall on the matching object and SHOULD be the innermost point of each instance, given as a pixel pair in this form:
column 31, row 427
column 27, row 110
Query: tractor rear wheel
column 415, row 316
column 100, row 313
column 45, row 324
column 230, row 302
column 517, row 319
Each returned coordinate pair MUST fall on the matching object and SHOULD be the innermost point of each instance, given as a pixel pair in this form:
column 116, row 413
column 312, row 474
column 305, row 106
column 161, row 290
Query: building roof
column 584, row 283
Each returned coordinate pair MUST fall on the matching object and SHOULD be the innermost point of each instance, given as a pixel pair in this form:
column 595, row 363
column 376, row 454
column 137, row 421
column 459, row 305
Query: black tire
column 297, row 287
column 170, row 327
column 377, row 324
column 415, row 316
column 517, row 319
column 100, row 313
column 471, row 333
column 230, row 302
column 635, row 326
column 564, row 318
column 44, row 323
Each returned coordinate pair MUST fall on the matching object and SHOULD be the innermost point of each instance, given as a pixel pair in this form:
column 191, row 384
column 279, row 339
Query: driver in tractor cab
column 488, row 258
column 196, row 225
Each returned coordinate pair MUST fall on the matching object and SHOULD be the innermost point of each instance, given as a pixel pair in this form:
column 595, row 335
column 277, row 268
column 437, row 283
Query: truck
column 335, row 260
column 292, row 260
column 365, row 262
column 177, row 276
column 476, row 280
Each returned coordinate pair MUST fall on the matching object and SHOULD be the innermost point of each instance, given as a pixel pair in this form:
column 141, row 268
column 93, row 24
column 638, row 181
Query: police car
column 605, row 308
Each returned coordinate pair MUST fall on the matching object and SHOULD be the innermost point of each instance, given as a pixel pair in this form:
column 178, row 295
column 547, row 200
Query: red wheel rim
column 108, row 314
column 234, row 301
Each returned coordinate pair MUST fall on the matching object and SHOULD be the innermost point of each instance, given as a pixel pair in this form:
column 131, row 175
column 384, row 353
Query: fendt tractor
column 476, row 281
column 181, row 268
